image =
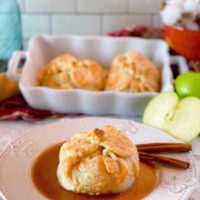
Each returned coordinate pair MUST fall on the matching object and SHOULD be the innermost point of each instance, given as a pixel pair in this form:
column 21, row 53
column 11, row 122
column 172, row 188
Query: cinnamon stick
column 163, row 147
column 164, row 159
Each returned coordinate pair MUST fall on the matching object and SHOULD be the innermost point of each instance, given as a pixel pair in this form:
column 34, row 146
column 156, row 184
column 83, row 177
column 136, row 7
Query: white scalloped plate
column 16, row 161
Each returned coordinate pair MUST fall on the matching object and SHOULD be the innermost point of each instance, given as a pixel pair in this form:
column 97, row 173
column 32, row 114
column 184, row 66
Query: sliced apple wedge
column 159, row 109
column 180, row 118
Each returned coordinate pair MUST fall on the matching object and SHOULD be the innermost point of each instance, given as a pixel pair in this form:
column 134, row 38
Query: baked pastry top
column 132, row 72
column 67, row 72
column 100, row 161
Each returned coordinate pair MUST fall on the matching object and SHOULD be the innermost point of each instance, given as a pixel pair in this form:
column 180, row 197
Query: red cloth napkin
column 17, row 108
column 139, row 31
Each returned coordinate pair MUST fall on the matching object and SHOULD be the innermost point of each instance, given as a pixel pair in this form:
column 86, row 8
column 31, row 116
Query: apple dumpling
column 101, row 161
column 132, row 72
column 67, row 72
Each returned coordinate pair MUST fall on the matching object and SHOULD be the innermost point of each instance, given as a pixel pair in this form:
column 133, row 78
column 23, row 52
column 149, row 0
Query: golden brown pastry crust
column 133, row 72
column 66, row 72
column 100, row 161
column 87, row 75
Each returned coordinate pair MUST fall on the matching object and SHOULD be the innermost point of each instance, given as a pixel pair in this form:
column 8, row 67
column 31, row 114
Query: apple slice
column 159, row 108
column 180, row 118
column 185, row 123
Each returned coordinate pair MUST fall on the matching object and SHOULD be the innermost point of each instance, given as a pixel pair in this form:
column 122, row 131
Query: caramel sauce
column 45, row 180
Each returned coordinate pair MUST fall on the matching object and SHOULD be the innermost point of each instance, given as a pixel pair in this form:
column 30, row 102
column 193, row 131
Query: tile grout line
column 50, row 24
column 24, row 2
column 101, row 24
column 75, row 6
column 152, row 19
column 127, row 6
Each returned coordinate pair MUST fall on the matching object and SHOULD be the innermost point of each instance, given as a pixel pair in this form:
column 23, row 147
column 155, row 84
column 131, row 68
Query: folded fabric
column 17, row 108
column 139, row 31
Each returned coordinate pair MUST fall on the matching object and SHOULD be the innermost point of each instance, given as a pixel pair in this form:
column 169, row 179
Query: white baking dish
column 101, row 48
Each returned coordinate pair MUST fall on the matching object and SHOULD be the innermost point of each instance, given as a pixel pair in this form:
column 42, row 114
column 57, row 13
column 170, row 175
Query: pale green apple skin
column 185, row 123
column 188, row 84
column 158, row 108
column 180, row 118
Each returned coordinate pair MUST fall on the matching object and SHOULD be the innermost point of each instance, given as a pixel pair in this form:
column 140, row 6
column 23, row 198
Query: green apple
column 188, row 84
column 180, row 118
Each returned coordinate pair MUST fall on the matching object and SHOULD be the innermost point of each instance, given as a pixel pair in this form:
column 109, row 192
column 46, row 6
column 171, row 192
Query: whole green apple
column 188, row 84
column 178, row 117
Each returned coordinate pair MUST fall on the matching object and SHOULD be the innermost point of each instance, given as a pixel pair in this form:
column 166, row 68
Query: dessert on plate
column 102, row 164
column 100, row 161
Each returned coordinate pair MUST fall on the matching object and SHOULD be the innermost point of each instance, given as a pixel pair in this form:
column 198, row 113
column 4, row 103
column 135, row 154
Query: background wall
column 85, row 16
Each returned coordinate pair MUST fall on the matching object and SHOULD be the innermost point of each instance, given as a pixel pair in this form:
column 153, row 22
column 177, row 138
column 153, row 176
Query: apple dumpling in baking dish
column 67, row 72
column 101, row 161
column 129, row 72
column 132, row 72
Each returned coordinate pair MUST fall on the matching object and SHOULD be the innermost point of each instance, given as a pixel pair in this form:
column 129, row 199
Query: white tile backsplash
column 111, row 22
column 21, row 5
column 157, row 22
column 84, row 17
column 50, row 6
column 75, row 24
column 102, row 6
column 25, row 44
column 144, row 6
column 34, row 24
